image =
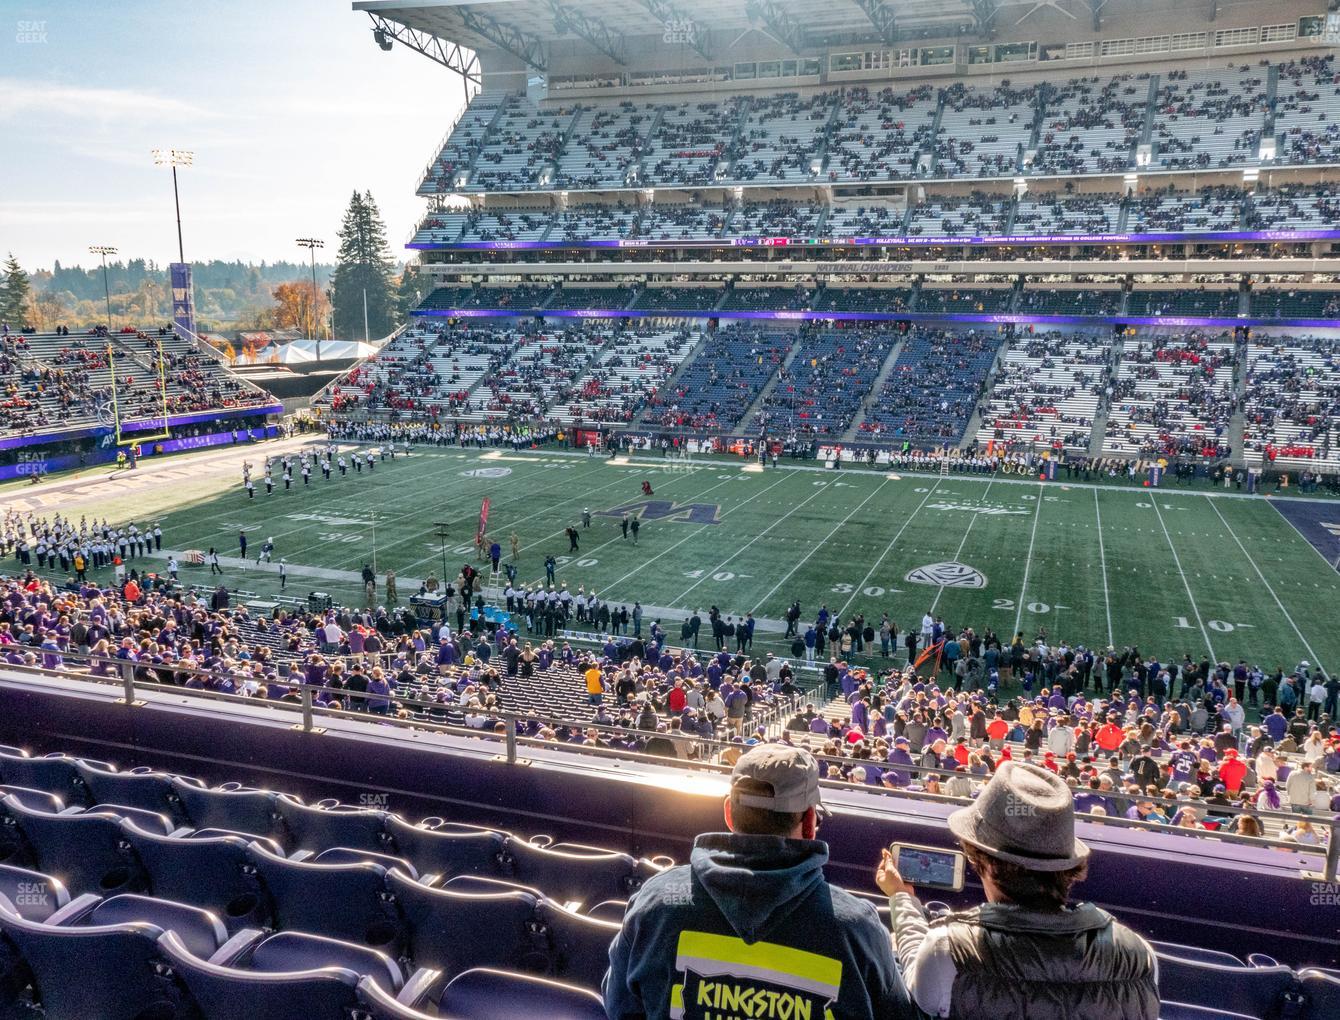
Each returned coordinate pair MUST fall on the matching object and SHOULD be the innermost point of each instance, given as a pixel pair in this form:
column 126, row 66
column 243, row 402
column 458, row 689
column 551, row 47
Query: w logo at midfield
column 948, row 575
column 665, row 510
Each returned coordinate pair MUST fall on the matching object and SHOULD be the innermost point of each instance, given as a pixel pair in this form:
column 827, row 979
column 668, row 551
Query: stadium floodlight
column 104, row 250
column 381, row 39
column 175, row 158
column 312, row 244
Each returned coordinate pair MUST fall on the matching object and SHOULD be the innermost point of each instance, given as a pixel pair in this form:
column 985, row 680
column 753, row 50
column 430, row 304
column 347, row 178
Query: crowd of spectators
column 717, row 387
column 1091, row 125
column 1205, row 119
column 1173, row 395
column 1291, row 400
column 1047, row 392
column 933, row 388
column 1307, row 110
column 825, row 385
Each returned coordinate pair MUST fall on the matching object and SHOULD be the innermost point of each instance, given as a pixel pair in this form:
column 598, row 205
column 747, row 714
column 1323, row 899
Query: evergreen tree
column 14, row 301
column 364, row 265
column 412, row 290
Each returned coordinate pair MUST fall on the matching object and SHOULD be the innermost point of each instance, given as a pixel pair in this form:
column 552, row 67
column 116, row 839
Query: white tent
column 303, row 351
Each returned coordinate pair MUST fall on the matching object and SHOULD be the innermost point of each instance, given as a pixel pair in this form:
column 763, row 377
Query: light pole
column 441, row 527
column 175, row 158
column 312, row 244
column 104, row 250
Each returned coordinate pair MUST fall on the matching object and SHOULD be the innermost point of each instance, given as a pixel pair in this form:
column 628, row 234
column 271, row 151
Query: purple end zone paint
column 1317, row 520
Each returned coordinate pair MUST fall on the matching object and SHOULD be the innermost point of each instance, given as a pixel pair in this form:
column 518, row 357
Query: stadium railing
column 310, row 714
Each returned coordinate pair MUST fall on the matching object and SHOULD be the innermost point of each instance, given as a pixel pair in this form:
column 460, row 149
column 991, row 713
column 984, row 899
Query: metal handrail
column 310, row 711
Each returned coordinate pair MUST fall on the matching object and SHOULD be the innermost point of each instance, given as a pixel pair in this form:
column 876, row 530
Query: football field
column 1170, row 571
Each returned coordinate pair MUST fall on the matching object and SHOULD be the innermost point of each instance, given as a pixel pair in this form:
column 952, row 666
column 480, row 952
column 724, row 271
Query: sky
column 288, row 105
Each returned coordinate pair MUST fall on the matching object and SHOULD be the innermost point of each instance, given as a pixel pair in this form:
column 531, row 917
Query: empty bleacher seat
column 111, row 972
column 31, row 894
column 280, row 976
column 85, row 851
column 487, row 994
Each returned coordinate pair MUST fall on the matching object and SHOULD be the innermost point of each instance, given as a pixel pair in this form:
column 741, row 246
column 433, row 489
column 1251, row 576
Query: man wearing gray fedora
column 1027, row 952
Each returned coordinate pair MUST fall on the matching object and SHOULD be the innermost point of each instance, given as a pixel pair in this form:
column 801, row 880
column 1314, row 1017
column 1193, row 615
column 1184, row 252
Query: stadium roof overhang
column 530, row 30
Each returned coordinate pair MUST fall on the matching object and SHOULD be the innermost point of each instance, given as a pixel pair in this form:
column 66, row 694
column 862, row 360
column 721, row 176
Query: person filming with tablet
column 1028, row 952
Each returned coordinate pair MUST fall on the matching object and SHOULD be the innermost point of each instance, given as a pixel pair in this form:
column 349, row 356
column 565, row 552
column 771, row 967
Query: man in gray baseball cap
column 751, row 918
column 1027, row 952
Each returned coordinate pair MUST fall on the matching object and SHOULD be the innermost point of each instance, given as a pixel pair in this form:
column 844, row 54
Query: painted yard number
column 1032, row 607
column 873, row 591
column 336, row 536
column 1220, row 626
column 720, row 575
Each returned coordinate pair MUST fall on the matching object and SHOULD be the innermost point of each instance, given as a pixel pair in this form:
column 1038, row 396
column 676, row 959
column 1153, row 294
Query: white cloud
column 24, row 97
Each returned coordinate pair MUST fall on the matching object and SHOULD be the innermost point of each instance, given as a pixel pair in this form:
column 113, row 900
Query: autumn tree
column 293, row 307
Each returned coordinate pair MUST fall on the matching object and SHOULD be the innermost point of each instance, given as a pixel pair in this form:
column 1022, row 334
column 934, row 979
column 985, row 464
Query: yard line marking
column 548, row 506
column 816, row 548
column 708, row 573
column 959, row 552
column 619, row 538
column 725, row 513
column 1178, row 561
column 1102, row 557
column 892, row 542
column 1233, row 534
column 1028, row 562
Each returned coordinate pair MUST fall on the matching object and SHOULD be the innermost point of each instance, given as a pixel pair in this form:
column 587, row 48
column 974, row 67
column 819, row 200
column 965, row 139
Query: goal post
column 139, row 437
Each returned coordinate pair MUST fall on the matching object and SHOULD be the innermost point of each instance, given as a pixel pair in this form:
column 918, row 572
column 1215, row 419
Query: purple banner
column 129, row 428
column 1003, row 318
column 902, row 240
column 35, row 464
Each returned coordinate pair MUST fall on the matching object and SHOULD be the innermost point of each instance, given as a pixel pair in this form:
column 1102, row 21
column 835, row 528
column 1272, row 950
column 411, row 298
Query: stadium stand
column 824, row 385
column 723, row 380
column 983, row 131
column 57, row 382
column 1291, row 404
column 1172, row 395
column 1307, row 110
column 933, row 389
column 978, row 213
column 1209, row 118
column 1046, row 392
column 1040, row 213
column 1091, row 125
column 881, row 135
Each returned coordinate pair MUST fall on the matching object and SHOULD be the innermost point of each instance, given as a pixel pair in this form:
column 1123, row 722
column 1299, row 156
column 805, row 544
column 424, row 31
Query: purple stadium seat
column 213, row 873
column 453, row 931
column 439, row 849
column 1265, row 992
column 349, row 855
column 86, row 851
column 350, row 902
column 138, row 788
column 329, row 823
column 72, row 970
column 1321, row 993
column 37, row 800
column 485, row 994
column 228, row 807
column 286, row 975
column 31, row 894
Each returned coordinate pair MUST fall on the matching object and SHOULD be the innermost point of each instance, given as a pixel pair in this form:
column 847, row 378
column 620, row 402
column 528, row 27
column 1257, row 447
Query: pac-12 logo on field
column 665, row 510
column 948, row 575
column 487, row 472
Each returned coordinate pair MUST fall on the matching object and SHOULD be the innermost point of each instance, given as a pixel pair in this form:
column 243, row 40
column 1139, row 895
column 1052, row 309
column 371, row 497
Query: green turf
column 1173, row 573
